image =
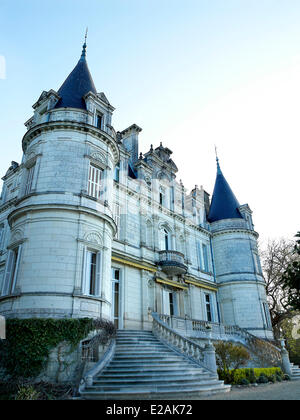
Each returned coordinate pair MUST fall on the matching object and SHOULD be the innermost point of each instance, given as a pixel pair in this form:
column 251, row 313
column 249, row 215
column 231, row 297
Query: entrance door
column 170, row 303
column 115, row 281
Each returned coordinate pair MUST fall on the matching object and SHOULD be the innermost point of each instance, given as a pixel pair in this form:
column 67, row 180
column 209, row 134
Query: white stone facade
column 90, row 228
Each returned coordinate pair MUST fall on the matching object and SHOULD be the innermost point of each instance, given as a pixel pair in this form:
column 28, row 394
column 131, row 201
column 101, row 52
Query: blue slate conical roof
column 78, row 83
column 224, row 204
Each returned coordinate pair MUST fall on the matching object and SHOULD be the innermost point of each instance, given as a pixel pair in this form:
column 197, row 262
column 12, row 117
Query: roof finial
column 217, row 159
column 83, row 54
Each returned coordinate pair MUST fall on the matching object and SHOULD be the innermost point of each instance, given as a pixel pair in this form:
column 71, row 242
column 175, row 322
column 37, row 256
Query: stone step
column 151, row 386
column 128, row 340
column 143, row 366
column 148, row 356
column 143, row 349
column 183, row 394
column 151, row 375
column 162, row 369
column 148, row 366
column 174, row 379
column 132, row 349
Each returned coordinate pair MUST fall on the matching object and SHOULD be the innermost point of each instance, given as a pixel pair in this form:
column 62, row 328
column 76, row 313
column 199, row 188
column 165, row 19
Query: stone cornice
column 233, row 230
column 15, row 214
column 75, row 126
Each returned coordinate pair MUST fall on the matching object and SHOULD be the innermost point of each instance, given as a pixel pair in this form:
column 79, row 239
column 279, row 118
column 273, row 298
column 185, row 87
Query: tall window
column 91, row 283
column 208, row 307
column 11, row 271
column 29, row 180
column 95, row 181
column 257, row 263
column 162, row 196
column 169, row 302
column 165, row 240
column 116, row 296
column 99, row 119
column 117, row 173
column 267, row 315
column 205, row 258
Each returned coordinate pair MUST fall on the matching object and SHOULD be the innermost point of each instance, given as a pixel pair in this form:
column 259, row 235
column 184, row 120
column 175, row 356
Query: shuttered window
column 29, row 180
column 11, row 271
column 95, row 181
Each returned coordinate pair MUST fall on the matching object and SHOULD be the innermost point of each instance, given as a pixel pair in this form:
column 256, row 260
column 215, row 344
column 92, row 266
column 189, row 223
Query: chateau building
column 91, row 227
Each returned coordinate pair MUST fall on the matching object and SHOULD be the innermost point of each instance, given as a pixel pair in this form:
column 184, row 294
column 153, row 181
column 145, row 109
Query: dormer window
column 99, row 118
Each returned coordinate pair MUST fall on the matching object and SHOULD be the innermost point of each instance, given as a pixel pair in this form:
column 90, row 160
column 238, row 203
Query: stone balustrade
column 204, row 356
column 197, row 329
column 172, row 262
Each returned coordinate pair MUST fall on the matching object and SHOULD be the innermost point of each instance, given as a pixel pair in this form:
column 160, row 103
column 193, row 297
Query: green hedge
column 29, row 341
column 239, row 376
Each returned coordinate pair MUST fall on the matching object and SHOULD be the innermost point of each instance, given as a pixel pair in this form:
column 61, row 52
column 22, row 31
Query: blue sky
column 191, row 73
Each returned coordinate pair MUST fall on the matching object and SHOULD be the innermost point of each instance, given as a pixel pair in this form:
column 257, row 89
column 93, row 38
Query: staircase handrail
column 257, row 344
column 179, row 343
column 254, row 343
column 99, row 366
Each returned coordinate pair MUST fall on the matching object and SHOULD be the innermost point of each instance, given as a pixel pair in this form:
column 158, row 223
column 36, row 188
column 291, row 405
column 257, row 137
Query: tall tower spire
column 78, row 83
column 217, row 159
column 224, row 204
column 83, row 54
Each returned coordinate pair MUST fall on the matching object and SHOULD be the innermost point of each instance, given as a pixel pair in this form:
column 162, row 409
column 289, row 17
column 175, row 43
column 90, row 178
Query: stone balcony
column 172, row 262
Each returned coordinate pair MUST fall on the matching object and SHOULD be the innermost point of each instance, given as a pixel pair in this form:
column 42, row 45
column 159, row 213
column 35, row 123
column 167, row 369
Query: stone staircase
column 295, row 372
column 145, row 368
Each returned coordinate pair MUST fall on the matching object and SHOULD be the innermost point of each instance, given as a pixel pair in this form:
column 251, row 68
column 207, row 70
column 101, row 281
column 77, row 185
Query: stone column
column 286, row 364
column 210, row 357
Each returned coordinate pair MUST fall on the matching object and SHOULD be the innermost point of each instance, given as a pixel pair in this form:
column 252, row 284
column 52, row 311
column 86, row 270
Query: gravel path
column 278, row 391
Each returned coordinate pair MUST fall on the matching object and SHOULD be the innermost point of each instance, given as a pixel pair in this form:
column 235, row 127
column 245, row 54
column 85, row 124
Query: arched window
column 165, row 239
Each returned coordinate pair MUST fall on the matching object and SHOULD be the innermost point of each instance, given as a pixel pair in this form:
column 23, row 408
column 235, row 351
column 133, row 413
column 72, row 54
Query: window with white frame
column 208, row 307
column 91, row 275
column 95, row 181
column 203, row 256
column 29, row 179
column 165, row 239
column 11, row 271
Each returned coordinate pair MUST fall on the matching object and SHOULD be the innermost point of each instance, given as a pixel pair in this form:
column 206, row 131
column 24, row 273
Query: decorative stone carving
column 94, row 237
column 16, row 236
column 99, row 157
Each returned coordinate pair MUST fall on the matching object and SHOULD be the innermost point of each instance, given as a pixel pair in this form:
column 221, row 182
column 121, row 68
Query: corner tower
column 241, row 286
column 60, row 226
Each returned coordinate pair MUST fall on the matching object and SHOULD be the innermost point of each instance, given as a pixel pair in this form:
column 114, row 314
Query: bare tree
column 275, row 258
